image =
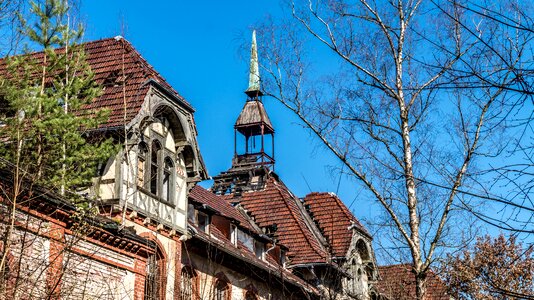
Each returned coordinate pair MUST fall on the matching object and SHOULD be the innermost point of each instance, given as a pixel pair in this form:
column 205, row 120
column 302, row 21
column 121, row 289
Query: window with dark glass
column 6, row 110
column 154, row 163
column 167, row 180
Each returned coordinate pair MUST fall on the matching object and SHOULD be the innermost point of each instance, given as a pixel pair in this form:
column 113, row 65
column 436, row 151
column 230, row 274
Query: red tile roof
column 334, row 219
column 397, row 282
column 201, row 195
column 275, row 205
column 107, row 58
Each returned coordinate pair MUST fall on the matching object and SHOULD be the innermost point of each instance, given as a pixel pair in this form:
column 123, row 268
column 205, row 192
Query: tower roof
column 252, row 116
column 253, row 89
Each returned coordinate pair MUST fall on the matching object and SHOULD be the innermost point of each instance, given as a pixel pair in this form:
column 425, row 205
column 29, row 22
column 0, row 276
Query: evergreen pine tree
column 46, row 131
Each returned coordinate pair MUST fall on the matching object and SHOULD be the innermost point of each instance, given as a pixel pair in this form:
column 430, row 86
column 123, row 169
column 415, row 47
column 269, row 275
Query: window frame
column 142, row 154
column 259, row 249
column 155, row 159
column 155, row 280
column 206, row 217
column 154, row 166
column 167, row 191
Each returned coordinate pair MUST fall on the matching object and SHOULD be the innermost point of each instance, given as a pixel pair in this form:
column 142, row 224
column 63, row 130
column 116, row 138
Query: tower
column 253, row 122
column 253, row 139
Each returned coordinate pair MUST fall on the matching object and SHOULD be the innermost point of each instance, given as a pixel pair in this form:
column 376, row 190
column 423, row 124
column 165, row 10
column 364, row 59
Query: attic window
column 283, row 258
column 202, row 221
column 259, row 249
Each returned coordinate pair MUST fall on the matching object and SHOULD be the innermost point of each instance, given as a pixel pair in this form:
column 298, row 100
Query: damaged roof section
column 220, row 238
column 275, row 206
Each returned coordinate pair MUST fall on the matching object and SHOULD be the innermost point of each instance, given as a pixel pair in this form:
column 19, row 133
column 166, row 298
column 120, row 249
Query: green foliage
column 46, row 128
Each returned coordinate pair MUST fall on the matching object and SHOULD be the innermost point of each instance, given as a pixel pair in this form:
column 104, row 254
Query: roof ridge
column 397, row 265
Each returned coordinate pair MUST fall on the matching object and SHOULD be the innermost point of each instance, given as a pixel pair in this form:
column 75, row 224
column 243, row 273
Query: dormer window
column 202, row 221
column 156, row 172
column 259, row 249
column 282, row 258
column 233, row 234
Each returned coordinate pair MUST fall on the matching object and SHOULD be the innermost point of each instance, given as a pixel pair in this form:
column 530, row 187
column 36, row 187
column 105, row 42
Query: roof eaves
column 260, row 264
column 169, row 94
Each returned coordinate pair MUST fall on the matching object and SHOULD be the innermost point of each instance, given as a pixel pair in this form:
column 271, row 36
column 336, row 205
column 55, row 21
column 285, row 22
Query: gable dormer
column 158, row 159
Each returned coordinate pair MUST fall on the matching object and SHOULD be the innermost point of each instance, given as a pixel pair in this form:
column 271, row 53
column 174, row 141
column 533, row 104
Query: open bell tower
column 253, row 122
column 253, row 139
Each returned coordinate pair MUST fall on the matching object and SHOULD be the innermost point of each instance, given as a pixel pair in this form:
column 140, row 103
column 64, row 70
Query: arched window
column 141, row 164
column 187, row 284
column 155, row 276
column 167, row 192
column 221, row 290
column 362, row 250
column 154, row 163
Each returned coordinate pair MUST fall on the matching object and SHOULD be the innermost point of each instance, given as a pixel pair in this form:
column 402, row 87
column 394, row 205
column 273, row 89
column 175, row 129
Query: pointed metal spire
column 254, row 73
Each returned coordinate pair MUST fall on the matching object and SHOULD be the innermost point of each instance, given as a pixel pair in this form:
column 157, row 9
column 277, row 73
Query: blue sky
column 195, row 46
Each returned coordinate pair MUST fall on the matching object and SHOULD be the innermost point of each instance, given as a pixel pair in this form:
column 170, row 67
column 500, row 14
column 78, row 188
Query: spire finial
column 254, row 73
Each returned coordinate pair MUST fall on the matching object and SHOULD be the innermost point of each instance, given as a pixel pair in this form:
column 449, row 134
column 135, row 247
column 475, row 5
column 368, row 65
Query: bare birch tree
column 509, row 43
column 381, row 85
